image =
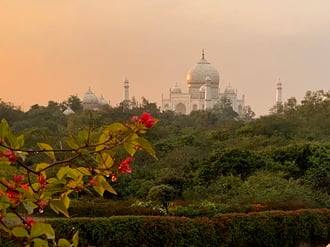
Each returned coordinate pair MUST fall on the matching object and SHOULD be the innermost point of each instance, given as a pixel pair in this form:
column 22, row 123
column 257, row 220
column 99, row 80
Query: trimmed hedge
column 272, row 228
column 101, row 208
column 259, row 229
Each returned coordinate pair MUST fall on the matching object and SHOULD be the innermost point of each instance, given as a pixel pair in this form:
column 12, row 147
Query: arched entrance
column 180, row 108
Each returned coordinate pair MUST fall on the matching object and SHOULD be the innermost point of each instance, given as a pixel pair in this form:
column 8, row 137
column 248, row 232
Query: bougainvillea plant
column 88, row 163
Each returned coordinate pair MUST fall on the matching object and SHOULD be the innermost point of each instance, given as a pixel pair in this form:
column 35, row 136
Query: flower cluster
column 42, row 180
column 124, row 166
column 10, row 155
column 37, row 188
column 146, row 119
column 13, row 192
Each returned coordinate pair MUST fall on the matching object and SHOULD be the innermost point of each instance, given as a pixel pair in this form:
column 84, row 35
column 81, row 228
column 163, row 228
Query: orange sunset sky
column 51, row 49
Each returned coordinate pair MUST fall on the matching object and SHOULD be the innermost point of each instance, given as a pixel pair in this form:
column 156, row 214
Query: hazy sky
column 51, row 49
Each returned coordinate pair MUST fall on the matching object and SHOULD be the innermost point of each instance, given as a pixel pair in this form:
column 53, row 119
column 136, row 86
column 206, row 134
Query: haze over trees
column 208, row 155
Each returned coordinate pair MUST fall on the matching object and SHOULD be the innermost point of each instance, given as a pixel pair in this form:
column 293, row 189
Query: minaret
column 126, row 87
column 208, row 93
column 279, row 93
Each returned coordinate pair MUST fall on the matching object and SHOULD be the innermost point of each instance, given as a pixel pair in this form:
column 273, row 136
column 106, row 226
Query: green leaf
column 5, row 229
column 75, row 239
column 4, row 162
column 84, row 171
column 65, row 199
column 29, row 206
column 82, row 137
column 45, row 146
column 103, row 185
column 130, row 148
column 116, row 127
column 12, row 140
column 4, row 128
column 20, row 232
column 99, row 189
column 41, row 166
column 4, row 202
column 109, row 188
column 63, row 243
column 146, row 146
column 55, row 185
column 38, row 242
column 59, row 206
column 20, row 140
column 105, row 161
column 62, row 172
column 40, row 228
column 73, row 173
column 72, row 143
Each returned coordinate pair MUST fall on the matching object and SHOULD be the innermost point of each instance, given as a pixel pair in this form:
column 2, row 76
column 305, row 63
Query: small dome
column 68, row 111
column 202, row 89
column 229, row 90
column 202, row 70
column 102, row 101
column 90, row 98
column 176, row 89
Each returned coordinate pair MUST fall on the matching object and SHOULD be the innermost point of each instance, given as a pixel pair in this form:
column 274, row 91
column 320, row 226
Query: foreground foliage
column 89, row 162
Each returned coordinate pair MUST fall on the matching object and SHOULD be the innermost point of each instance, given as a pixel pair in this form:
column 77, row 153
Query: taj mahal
column 203, row 91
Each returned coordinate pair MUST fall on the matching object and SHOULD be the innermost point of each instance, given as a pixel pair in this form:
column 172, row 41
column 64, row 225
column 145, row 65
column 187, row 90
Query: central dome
column 90, row 98
column 196, row 76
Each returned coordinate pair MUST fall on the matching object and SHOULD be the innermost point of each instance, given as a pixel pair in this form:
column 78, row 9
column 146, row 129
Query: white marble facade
column 203, row 91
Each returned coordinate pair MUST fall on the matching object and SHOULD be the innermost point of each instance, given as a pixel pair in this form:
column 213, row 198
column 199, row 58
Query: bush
column 265, row 229
column 162, row 195
column 103, row 208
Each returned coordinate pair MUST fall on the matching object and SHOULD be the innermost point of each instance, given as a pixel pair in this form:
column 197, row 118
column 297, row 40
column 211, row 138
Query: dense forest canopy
column 208, row 155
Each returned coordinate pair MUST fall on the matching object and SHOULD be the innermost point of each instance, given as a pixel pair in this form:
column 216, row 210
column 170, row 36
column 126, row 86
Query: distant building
column 68, row 111
column 92, row 102
column 279, row 93
column 126, row 90
column 203, row 91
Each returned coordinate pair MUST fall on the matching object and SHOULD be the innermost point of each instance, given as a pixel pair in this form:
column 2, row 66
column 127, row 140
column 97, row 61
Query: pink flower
column 18, row 179
column 30, row 221
column 124, row 166
column 25, row 186
column 113, row 178
column 13, row 196
column 92, row 182
column 10, row 155
column 135, row 119
column 42, row 204
column 42, row 180
column 147, row 120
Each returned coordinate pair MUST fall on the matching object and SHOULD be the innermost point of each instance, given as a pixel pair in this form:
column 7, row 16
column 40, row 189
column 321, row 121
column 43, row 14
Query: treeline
column 275, row 160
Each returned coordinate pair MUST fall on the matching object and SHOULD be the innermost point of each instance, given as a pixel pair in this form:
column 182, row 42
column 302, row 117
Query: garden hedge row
column 263, row 229
column 259, row 229
column 102, row 208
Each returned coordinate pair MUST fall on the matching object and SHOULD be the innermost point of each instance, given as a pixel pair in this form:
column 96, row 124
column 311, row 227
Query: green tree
column 162, row 195
column 74, row 103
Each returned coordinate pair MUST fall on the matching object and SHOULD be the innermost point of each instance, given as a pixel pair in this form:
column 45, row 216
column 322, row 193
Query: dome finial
column 203, row 54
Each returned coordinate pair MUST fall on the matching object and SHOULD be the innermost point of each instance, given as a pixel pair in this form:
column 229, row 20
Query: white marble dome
column 229, row 90
column 68, row 111
column 102, row 101
column 90, row 98
column 176, row 89
column 203, row 69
